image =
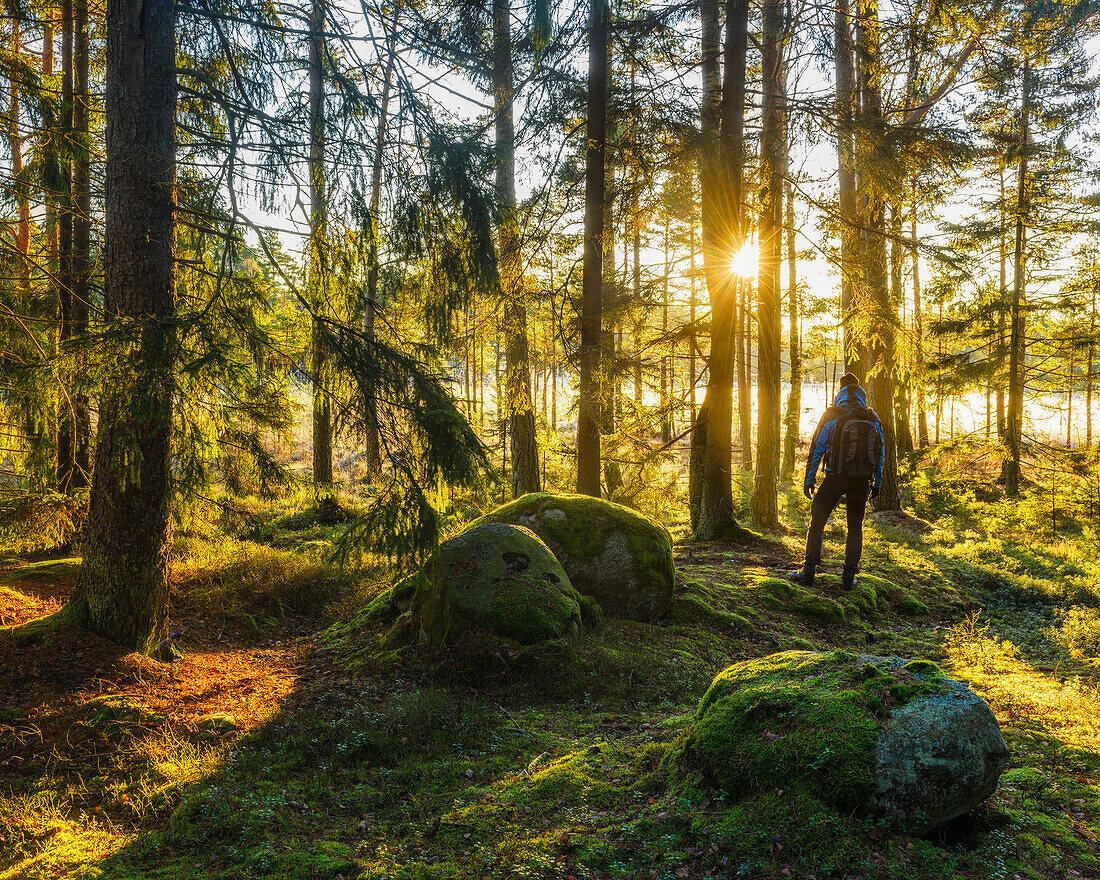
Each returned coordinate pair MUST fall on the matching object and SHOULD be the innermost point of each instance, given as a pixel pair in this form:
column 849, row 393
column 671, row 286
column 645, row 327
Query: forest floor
column 287, row 741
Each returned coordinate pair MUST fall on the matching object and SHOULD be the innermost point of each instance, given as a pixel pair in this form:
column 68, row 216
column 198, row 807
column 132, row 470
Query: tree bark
column 744, row 370
column 846, row 184
column 764, row 504
column 1010, row 471
column 1002, row 342
column 318, row 247
column 918, row 327
column 693, row 342
column 122, row 590
column 595, row 185
column 638, row 318
column 881, row 315
column 74, row 263
column 518, row 408
column 553, row 360
column 1088, row 374
column 901, row 390
column 722, row 124
column 373, row 439
column 666, row 360
column 794, row 399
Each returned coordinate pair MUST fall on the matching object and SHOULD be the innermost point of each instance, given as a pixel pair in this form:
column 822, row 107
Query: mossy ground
column 290, row 740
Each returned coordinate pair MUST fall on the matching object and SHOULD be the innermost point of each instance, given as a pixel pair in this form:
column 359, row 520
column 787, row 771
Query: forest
column 410, row 413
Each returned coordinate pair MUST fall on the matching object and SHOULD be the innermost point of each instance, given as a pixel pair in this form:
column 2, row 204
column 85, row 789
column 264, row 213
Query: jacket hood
column 842, row 398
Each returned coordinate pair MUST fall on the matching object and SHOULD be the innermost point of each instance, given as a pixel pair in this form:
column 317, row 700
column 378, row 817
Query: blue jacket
column 825, row 433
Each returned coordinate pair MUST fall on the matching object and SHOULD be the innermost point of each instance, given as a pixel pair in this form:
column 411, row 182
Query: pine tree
column 720, row 175
column 122, row 590
column 595, row 184
column 765, row 511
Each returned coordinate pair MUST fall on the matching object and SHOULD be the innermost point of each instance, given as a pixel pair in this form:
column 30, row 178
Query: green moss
column 583, row 534
column 797, row 720
column 775, row 592
column 923, row 667
column 782, row 594
column 796, row 821
column 695, row 608
column 529, row 609
column 497, row 578
column 862, row 600
column 567, row 778
column 898, row 596
column 612, row 553
column 50, row 570
column 42, row 628
column 591, row 612
column 820, row 607
column 911, row 606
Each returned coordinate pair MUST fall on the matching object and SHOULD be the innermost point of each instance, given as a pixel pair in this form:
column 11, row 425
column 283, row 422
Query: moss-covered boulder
column 894, row 740
column 613, row 554
column 498, row 579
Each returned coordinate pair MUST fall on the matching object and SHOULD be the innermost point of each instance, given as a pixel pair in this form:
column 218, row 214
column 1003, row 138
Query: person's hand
column 874, row 492
column 808, row 490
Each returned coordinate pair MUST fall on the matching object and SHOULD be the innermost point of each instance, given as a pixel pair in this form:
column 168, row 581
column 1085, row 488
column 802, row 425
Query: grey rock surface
column 939, row 756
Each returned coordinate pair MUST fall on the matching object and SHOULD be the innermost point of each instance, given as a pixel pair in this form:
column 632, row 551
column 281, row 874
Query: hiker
column 848, row 440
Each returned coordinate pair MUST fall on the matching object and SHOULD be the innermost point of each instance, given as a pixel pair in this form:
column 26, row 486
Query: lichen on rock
column 893, row 740
column 615, row 555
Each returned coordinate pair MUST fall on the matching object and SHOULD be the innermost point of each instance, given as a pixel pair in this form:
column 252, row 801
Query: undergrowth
column 367, row 758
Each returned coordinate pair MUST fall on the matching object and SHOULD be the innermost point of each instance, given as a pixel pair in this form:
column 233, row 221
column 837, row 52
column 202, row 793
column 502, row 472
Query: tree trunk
column 589, row 397
column 881, row 315
column 720, row 177
column 666, row 360
column 122, row 590
column 901, row 390
column 744, row 371
column 794, row 398
column 66, row 414
column 846, row 184
column 1002, row 342
column 553, row 360
column 518, row 408
column 74, row 423
column 693, row 342
column 1088, row 375
column 1010, row 472
column 1069, row 404
column 15, row 145
column 318, row 247
column 638, row 317
column 918, row 328
column 764, row 505
column 373, row 439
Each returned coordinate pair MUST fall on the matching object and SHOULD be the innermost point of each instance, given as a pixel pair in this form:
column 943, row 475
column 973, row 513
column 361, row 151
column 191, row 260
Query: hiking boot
column 848, row 579
column 804, row 575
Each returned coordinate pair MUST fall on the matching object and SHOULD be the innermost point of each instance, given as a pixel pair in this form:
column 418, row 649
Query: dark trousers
column 854, row 490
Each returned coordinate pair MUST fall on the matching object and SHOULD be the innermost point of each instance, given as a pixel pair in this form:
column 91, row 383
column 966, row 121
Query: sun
column 744, row 263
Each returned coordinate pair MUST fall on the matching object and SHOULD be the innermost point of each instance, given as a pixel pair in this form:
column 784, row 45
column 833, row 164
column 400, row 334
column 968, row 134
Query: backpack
column 855, row 445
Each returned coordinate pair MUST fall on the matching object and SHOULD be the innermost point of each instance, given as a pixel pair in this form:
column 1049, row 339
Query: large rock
column 886, row 738
column 498, row 579
column 613, row 554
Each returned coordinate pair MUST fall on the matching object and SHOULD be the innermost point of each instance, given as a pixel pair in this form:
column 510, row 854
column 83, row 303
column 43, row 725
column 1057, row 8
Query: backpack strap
column 830, row 414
